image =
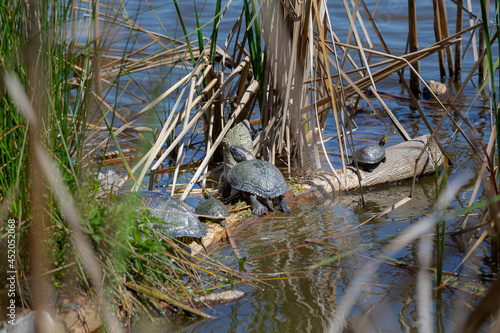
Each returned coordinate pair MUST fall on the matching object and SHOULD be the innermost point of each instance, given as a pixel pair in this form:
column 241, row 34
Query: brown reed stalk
column 458, row 47
column 97, row 42
column 445, row 33
column 482, row 47
column 438, row 34
column 413, row 43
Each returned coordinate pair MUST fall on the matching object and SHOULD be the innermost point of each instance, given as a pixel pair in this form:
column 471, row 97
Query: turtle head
column 238, row 153
column 206, row 195
column 383, row 141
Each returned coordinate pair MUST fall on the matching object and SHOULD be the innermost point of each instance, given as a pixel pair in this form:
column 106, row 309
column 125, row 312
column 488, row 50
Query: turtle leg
column 226, row 189
column 270, row 205
column 283, row 205
column 257, row 208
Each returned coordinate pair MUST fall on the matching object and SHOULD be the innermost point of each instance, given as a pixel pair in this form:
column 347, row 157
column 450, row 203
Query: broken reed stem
column 458, row 46
column 195, row 118
column 445, row 33
column 330, row 88
column 140, row 114
column 392, row 68
column 187, row 112
column 482, row 47
column 168, row 127
column 413, row 42
column 209, row 141
column 438, row 34
column 252, row 88
column 157, row 294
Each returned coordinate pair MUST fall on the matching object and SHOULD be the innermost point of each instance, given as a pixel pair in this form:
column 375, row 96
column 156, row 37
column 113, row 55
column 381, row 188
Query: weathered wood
column 225, row 297
column 399, row 165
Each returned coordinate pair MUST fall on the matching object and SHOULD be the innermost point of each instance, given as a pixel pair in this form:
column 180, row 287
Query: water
column 303, row 299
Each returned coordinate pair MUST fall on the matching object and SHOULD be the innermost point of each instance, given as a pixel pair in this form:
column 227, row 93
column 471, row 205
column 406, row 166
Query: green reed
column 440, row 229
column 491, row 73
column 254, row 44
column 186, row 35
column 215, row 31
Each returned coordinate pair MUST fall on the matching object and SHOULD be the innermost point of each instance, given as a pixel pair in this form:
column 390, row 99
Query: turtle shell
column 258, row 177
column 370, row 155
column 179, row 219
column 212, row 207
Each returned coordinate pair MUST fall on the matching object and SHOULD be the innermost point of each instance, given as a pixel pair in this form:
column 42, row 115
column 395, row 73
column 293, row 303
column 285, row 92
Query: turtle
column 257, row 179
column 179, row 220
column 212, row 207
column 370, row 156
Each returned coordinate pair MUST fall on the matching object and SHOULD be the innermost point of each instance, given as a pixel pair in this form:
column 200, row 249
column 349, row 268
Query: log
column 399, row 165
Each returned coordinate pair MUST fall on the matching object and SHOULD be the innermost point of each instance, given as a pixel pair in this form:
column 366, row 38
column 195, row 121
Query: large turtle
column 179, row 220
column 213, row 209
column 258, row 179
column 370, row 156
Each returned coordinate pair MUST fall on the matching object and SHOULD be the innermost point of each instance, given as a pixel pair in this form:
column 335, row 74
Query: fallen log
column 399, row 165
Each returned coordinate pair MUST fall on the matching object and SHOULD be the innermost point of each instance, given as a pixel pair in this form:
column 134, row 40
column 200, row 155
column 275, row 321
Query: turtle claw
column 270, row 205
column 259, row 211
column 257, row 208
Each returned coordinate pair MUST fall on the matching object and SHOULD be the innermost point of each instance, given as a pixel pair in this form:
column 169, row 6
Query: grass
column 440, row 232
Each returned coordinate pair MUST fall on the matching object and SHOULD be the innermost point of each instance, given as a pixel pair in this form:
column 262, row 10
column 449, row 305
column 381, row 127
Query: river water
column 299, row 299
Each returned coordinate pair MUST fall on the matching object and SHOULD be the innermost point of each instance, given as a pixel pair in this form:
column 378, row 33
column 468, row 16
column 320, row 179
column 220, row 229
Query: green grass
column 440, row 230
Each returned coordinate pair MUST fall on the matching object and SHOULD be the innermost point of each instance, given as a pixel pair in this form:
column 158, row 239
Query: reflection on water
column 298, row 299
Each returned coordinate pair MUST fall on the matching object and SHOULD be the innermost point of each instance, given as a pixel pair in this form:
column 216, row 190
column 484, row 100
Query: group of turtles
column 178, row 220
column 254, row 179
column 257, row 180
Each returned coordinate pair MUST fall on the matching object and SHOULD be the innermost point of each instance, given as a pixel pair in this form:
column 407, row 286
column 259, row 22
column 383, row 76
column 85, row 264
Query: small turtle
column 370, row 156
column 179, row 220
column 212, row 207
column 258, row 179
